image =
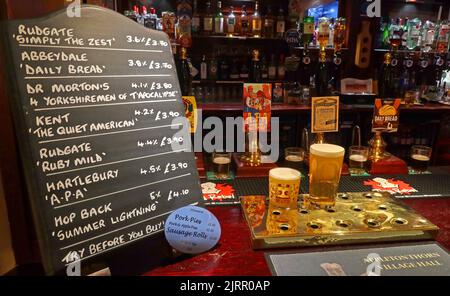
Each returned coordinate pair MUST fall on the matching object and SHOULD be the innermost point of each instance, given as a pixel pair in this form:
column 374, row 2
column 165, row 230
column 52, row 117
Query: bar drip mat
column 400, row 186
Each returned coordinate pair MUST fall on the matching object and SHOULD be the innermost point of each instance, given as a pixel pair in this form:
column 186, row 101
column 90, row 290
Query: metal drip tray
column 356, row 218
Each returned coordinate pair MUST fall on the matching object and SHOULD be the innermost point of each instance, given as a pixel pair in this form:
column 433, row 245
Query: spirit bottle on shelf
column 244, row 22
column 428, row 36
column 340, row 29
column 332, row 29
column 269, row 24
column 395, row 35
column 244, row 71
column 264, row 68
column 384, row 36
column 281, row 24
column 208, row 20
column 135, row 14
column 195, row 20
column 272, row 68
column 234, row 73
column 443, row 37
column 152, row 19
column 281, row 69
column 231, row 22
column 204, row 68
column 322, row 75
column 308, row 30
column 408, row 73
column 386, row 76
column 218, row 20
column 184, row 73
column 305, row 69
column 256, row 22
column 414, row 34
column 255, row 69
column 224, row 68
column 141, row 18
column 213, row 68
column 323, row 32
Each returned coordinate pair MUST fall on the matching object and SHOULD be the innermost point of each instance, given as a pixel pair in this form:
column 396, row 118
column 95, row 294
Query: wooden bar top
column 234, row 255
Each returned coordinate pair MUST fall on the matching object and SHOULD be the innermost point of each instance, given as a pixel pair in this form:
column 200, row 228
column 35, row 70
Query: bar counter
column 234, row 256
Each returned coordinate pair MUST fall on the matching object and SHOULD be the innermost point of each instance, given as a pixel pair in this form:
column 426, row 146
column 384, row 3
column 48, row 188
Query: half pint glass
column 325, row 165
column 284, row 186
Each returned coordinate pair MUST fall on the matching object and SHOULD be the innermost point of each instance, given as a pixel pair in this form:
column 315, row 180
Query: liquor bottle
column 195, row 20
column 395, row 35
column 414, row 34
column 422, row 73
column 152, row 20
column 184, row 73
column 323, row 32
column 245, row 22
column 218, row 19
column 204, row 68
column 322, row 75
column 141, row 18
column 264, row 68
column 269, row 24
column 281, row 24
column 428, row 36
column 213, row 68
column 308, row 30
column 407, row 77
column 331, row 36
column 224, row 68
column 231, row 22
column 384, row 36
column 443, row 37
column 244, row 71
column 272, row 68
column 208, row 20
column 403, row 23
column 385, row 80
column 135, row 13
column 256, row 22
column 340, row 28
column 234, row 73
column 255, row 69
column 305, row 69
column 281, row 69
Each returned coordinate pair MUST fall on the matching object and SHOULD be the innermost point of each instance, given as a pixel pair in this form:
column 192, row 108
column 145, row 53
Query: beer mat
column 219, row 193
column 424, row 259
column 251, row 186
column 414, row 172
column 211, row 176
column 400, row 186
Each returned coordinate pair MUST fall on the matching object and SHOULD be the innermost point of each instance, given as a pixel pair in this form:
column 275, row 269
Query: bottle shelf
column 234, row 38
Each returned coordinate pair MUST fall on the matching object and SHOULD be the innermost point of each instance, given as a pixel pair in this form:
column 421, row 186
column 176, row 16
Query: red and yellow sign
column 257, row 106
column 386, row 115
column 190, row 107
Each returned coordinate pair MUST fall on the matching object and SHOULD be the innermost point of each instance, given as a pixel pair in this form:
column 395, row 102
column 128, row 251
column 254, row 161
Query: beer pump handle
column 356, row 136
column 305, row 140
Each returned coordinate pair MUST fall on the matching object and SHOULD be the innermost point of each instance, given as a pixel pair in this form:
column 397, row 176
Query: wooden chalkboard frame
column 25, row 146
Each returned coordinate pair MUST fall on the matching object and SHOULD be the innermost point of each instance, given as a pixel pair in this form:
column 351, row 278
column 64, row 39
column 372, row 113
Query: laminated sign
column 325, row 114
column 386, row 115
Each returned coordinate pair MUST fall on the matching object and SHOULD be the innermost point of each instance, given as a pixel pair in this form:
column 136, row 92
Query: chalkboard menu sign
column 97, row 108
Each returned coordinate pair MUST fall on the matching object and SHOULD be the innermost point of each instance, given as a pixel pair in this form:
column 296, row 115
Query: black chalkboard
column 95, row 98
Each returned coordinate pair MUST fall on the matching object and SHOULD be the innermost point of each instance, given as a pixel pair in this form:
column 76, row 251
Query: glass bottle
column 224, row 68
column 213, row 68
column 272, row 68
column 305, row 69
column 255, row 69
column 204, row 68
column 428, row 36
column 323, row 32
column 281, row 69
column 208, row 20
column 385, row 80
column 184, row 73
column 245, row 22
column 231, row 22
column 218, row 19
column 322, row 75
column 269, row 24
column 195, row 20
column 395, row 35
column 340, row 28
column 414, row 36
column 443, row 37
column 256, row 22
column 234, row 73
column 244, row 71
column 281, row 24
column 308, row 30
